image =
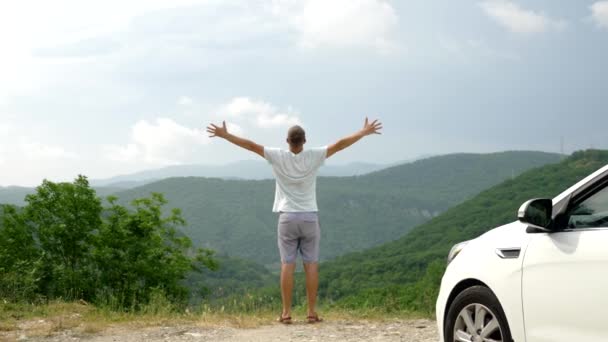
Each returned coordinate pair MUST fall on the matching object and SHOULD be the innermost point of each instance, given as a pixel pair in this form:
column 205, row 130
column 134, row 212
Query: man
column 295, row 172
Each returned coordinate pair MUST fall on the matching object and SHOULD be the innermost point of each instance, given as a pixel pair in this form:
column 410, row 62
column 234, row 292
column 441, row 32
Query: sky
column 110, row 87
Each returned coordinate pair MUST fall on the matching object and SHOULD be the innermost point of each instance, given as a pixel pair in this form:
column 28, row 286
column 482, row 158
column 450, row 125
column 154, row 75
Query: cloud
column 33, row 150
column 42, row 42
column 260, row 114
column 518, row 20
column 5, row 128
column 89, row 47
column 27, row 156
column 160, row 142
column 123, row 154
column 599, row 13
column 22, row 146
column 27, row 162
column 340, row 23
column 185, row 101
column 113, row 41
column 163, row 141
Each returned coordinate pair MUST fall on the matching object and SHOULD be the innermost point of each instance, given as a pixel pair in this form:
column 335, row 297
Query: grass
column 83, row 319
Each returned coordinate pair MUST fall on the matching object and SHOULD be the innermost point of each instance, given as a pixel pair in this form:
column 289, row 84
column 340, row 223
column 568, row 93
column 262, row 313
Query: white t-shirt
column 296, row 176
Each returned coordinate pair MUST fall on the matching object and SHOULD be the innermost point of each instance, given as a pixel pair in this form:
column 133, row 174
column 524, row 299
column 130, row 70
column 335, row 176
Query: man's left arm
column 222, row 132
column 368, row 129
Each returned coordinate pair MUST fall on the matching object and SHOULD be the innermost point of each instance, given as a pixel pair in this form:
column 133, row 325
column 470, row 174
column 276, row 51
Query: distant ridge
column 247, row 169
column 16, row 194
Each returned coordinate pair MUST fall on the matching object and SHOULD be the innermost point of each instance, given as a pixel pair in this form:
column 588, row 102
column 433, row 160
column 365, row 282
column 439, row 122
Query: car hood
column 510, row 235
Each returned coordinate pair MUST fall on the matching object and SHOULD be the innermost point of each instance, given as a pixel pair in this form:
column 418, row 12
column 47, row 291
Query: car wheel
column 476, row 316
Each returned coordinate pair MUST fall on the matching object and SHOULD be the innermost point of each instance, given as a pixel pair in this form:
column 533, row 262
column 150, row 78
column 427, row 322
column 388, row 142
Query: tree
column 64, row 244
column 139, row 251
column 64, row 218
column 20, row 261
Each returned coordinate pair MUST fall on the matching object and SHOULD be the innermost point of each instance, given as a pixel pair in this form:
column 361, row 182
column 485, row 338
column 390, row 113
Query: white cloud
column 31, row 29
column 22, row 146
column 518, row 20
column 185, row 101
column 161, row 142
column 27, row 155
column 261, row 114
column 5, row 128
column 234, row 128
column 599, row 13
column 2, row 160
column 50, row 43
column 36, row 151
column 127, row 153
column 340, row 23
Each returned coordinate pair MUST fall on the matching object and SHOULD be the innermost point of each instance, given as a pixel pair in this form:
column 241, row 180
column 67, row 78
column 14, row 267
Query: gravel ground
column 344, row 330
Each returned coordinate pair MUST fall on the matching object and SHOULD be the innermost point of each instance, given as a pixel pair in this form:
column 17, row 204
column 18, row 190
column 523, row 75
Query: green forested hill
column 404, row 261
column 234, row 216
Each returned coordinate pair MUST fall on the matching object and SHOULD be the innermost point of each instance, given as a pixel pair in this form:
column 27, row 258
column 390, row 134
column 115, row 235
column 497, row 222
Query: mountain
column 234, row 216
column 16, row 194
column 247, row 169
column 367, row 275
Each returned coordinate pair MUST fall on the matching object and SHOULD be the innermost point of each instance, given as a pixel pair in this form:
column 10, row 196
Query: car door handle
column 508, row 253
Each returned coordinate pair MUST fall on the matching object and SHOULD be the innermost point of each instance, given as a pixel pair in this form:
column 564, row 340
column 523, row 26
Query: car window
column 590, row 213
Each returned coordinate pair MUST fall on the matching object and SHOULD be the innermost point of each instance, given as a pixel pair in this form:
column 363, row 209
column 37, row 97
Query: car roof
column 581, row 183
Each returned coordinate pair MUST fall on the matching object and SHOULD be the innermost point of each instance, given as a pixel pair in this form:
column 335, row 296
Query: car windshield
column 592, row 212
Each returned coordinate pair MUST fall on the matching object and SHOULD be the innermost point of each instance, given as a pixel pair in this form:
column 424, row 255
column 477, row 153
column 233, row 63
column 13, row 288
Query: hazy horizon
column 259, row 161
column 114, row 87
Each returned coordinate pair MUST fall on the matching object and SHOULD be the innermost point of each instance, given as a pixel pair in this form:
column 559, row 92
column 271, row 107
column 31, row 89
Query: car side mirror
column 536, row 214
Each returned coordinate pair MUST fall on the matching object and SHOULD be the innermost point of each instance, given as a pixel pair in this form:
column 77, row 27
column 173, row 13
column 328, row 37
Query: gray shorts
column 299, row 231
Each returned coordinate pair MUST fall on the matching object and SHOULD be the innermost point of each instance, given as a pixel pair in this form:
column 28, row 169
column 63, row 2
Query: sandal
column 284, row 320
column 314, row 319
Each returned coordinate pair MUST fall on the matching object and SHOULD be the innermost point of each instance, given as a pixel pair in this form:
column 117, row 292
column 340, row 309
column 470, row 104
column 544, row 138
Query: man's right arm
column 368, row 129
column 222, row 132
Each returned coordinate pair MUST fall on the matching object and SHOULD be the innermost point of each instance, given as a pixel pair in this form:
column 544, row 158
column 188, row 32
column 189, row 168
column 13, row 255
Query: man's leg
column 310, row 255
column 287, row 271
column 312, row 285
column 288, row 246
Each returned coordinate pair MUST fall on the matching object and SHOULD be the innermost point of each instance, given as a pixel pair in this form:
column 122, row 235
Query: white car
column 542, row 278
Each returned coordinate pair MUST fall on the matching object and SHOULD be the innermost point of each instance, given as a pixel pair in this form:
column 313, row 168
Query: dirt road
column 340, row 330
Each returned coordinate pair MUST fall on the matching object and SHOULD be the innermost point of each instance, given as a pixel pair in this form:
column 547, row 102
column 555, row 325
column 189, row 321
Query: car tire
column 476, row 314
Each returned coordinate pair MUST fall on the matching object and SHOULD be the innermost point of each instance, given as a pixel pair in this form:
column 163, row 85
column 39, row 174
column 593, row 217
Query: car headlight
column 456, row 250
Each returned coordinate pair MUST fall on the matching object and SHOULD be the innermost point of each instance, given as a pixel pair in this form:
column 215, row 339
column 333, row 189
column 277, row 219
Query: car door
column 565, row 275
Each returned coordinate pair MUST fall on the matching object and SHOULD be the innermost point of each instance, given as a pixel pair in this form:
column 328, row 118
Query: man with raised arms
column 295, row 171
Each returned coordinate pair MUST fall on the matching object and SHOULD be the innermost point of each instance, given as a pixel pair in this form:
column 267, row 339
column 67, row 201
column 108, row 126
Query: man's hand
column 371, row 128
column 216, row 131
